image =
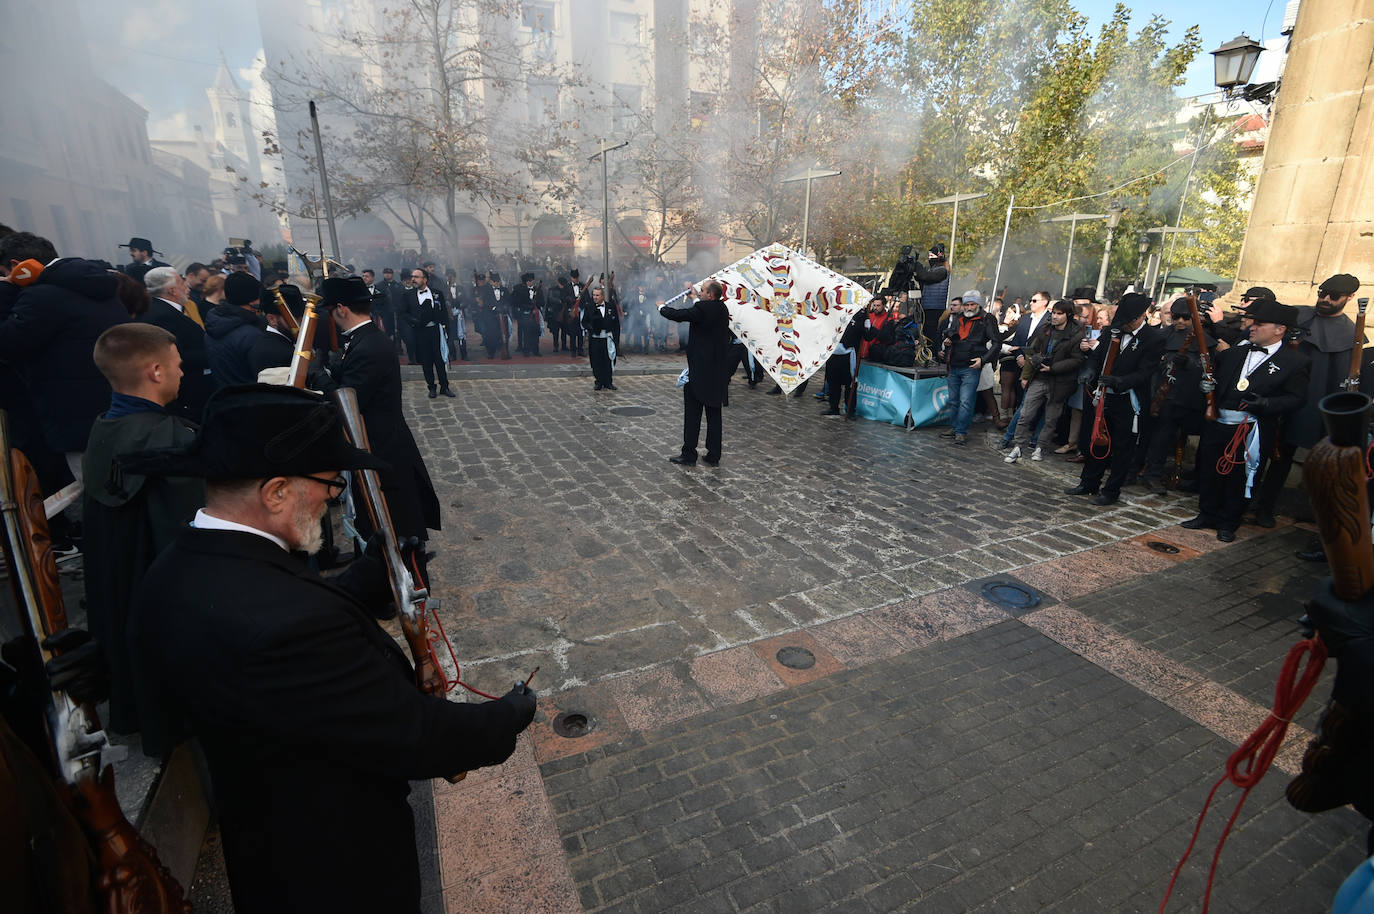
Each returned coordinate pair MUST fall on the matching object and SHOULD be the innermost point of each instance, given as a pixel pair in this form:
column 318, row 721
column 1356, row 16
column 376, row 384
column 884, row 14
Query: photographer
column 240, row 257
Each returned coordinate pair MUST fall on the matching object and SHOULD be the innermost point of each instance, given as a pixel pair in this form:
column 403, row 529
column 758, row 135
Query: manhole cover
column 1161, row 546
column 1010, row 595
column 796, row 658
column 632, row 410
column 572, row 724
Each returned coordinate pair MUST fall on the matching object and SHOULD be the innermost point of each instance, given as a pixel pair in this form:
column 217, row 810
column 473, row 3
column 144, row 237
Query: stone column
column 1313, row 213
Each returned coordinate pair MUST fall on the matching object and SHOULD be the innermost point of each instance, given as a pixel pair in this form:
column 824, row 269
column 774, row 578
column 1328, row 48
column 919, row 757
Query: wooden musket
column 132, row 879
column 1167, row 385
column 1100, row 437
column 1352, row 378
column 409, row 595
column 1209, row 381
column 303, row 353
column 1335, row 477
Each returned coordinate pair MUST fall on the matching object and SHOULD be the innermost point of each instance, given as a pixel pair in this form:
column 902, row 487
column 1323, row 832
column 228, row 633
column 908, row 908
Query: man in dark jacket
column 1049, row 365
column 307, row 711
column 233, row 328
column 527, row 302
column 49, row 336
column 128, row 518
column 168, row 309
column 370, row 367
column 602, row 325
column 708, row 371
column 934, row 282
column 1127, row 395
column 426, row 313
column 971, row 339
column 842, row 367
column 1180, row 412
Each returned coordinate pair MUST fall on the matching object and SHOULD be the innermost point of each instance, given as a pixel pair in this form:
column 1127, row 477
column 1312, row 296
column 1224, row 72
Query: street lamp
column 1114, row 212
column 1235, row 62
column 606, row 206
column 956, row 199
column 1142, row 246
column 1072, row 219
column 808, row 176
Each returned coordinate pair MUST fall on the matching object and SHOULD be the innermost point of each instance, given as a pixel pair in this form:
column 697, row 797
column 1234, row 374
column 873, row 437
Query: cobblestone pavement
column 942, row 753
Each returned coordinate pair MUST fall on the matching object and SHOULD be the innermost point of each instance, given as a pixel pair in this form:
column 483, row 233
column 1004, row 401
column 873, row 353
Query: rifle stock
column 132, row 879
column 1100, row 436
column 304, row 352
column 405, row 590
column 1352, row 377
column 1209, row 381
column 1167, row 385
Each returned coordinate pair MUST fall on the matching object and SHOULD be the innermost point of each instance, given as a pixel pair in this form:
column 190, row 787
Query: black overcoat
column 370, row 367
column 309, row 717
column 708, row 349
column 197, row 380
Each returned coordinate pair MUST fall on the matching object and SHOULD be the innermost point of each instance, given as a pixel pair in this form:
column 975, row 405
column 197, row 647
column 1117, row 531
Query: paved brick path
column 943, row 753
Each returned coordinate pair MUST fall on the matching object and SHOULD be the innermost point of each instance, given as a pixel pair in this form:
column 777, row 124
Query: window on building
column 625, row 113
column 59, row 221
column 699, row 108
column 23, row 216
column 625, row 28
column 229, row 119
column 537, row 16
column 543, row 96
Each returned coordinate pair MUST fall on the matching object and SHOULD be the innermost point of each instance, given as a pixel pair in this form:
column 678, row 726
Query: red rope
column 1228, row 459
column 1248, row 764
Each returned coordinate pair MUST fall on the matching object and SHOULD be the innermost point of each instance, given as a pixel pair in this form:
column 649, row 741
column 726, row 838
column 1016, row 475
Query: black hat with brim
column 1340, row 284
column 1085, row 293
column 294, row 300
column 344, row 290
column 258, row 431
column 1131, row 307
column 1255, row 292
column 1268, row 311
column 527, row 277
column 141, row 244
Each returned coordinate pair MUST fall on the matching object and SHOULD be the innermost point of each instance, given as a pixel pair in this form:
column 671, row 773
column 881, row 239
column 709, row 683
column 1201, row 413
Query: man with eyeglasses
column 1325, row 335
column 307, row 711
column 1180, row 413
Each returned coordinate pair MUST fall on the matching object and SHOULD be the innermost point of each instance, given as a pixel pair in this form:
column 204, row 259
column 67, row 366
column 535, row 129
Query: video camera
column 236, row 254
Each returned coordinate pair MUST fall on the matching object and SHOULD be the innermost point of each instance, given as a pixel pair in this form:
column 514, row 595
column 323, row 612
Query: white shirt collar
column 181, row 308
column 205, row 521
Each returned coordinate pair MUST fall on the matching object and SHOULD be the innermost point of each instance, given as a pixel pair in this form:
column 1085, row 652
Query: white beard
column 308, row 534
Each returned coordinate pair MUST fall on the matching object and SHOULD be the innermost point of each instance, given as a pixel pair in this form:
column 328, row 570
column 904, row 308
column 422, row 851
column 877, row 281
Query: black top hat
column 291, row 295
column 343, row 290
column 574, row 274
column 1340, row 284
column 241, row 289
column 257, row 431
column 493, row 276
column 527, row 277
column 142, row 244
column 1085, row 293
column 1268, row 311
column 1131, row 306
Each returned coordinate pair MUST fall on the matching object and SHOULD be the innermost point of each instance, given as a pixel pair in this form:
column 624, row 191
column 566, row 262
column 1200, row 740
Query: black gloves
column 1253, row 402
column 79, row 668
column 524, row 701
column 1109, row 381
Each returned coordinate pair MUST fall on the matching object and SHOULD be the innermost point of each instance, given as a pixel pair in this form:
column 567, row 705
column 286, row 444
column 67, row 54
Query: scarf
column 966, row 324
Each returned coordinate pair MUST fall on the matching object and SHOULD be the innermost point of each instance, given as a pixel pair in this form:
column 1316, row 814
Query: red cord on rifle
column 1248, row 764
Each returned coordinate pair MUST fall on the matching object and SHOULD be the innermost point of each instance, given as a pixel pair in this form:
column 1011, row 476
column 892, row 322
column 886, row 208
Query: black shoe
column 1189, row 486
column 1105, row 499
column 947, row 433
column 1201, row 522
column 1311, row 555
column 682, row 461
column 775, row 391
column 433, row 393
column 1226, row 536
column 753, row 384
column 596, row 387
column 1151, row 486
column 448, row 393
column 1080, row 489
column 611, row 387
column 1264, row 518
column 831, row 412
column 711, row 463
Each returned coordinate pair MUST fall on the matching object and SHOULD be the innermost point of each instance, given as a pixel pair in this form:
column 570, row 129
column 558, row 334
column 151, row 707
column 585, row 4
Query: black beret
column 241, row 289
column 1340, row 284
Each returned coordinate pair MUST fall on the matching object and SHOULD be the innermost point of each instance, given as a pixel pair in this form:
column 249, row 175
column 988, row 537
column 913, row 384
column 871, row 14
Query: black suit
column 1282, row 380
column 272, row 350
column 197, row 381
column 309, row 717
column 1125, row 412
column 527, row 303
column 708, row 373
column 369, row 366
column 426, row 321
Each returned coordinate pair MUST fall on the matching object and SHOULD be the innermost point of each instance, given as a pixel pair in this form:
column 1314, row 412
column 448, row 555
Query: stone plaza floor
column 1006, row 700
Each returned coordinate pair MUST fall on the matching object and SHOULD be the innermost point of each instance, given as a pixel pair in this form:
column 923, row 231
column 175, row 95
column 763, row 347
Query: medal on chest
column 1243, row 384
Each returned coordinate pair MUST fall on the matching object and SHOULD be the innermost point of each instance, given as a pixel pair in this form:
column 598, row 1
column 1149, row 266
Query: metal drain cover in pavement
column 1161, row 546
column 632, row 410
column 796, row 658
column 572, row 724
column 1010, row 595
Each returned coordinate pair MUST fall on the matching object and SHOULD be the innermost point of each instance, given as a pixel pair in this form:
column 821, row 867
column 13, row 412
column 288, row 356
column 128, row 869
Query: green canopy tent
column 1196, row 277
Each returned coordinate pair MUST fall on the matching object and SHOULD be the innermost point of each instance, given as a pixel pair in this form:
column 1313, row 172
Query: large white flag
column 790, row 311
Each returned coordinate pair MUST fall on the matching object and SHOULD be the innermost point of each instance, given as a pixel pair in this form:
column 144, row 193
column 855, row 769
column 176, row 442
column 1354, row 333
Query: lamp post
column 956, row 199
column 1235, row 63
column 1114, row 212
column 1072, row 219
column 1142, row 246
column 606, row 205
column 808, row 176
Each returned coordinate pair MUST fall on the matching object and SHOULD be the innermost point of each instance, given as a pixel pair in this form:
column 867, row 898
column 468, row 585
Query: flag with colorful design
column 789, row 310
